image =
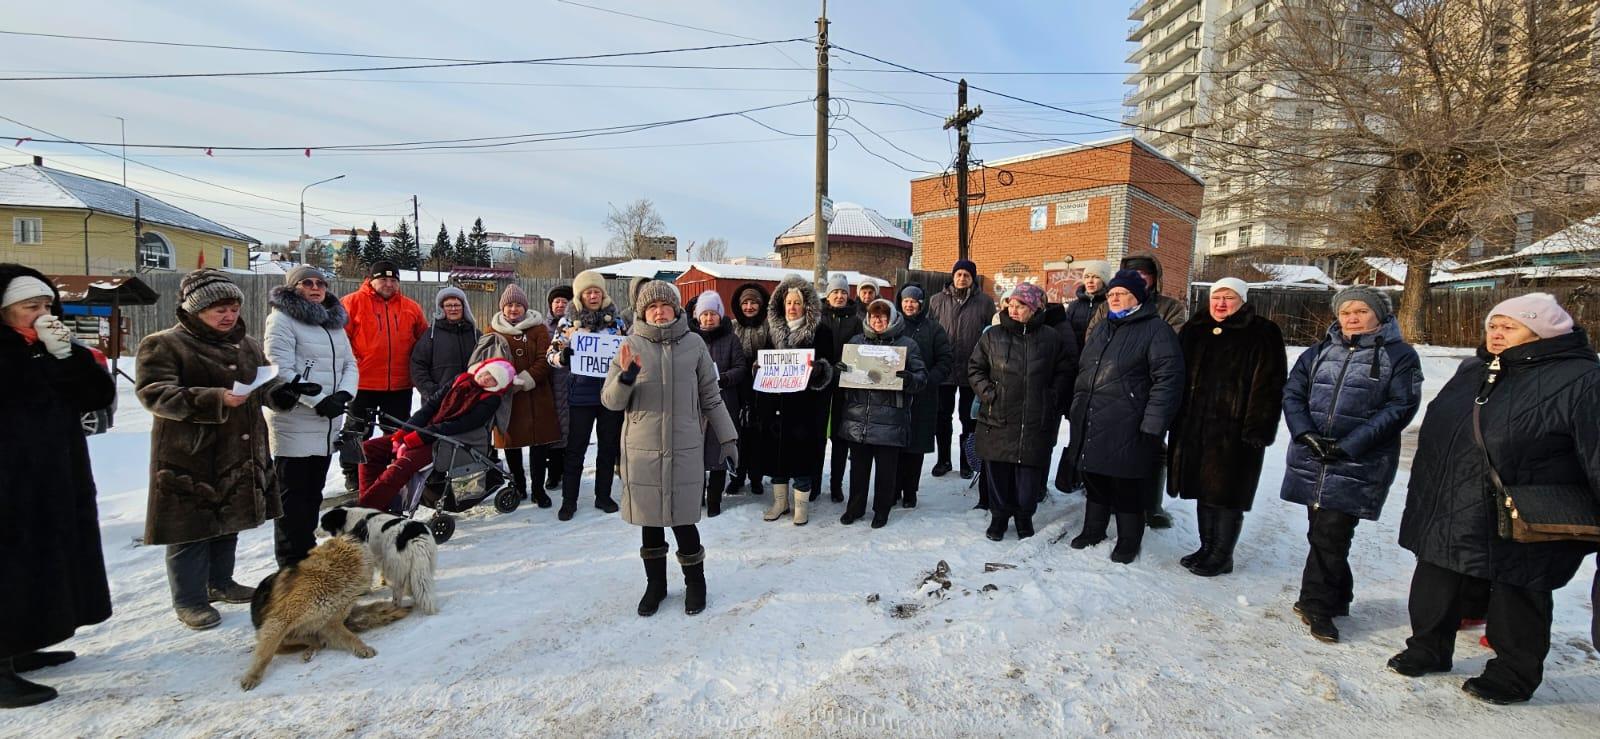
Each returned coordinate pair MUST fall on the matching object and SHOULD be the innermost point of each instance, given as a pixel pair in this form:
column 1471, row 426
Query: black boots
column 519, row 479
column 655, row 573
column 997, row 527
column 1411, row 664
column 1489, row 692
column 1024, row 527
column 942, row 467
column 1096, row 518
column 1130, row 535
column 736, row 485
column 1207, row 522
column 694, row 580
column 16, row 692
column 1320, row 624
column 1225, row 527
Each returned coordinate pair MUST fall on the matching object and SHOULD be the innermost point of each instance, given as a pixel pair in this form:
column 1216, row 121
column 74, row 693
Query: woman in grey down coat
column 305, row 337
column 1346, row 402
column 664, row 384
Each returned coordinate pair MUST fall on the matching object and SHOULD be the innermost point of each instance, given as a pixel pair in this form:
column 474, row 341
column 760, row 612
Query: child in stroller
column 457, row 416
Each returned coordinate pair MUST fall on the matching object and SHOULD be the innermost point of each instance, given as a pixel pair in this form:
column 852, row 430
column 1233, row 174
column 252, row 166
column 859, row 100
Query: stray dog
column 403, row 549
column 307, row 604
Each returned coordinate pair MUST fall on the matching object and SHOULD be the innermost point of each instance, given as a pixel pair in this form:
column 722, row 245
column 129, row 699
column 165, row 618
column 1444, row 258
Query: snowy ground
column 818, row 630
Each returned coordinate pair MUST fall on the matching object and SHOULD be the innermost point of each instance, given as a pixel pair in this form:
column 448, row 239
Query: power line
column 441, row 65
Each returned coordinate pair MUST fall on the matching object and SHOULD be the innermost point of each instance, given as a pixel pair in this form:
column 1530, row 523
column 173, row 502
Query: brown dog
column 307, row 604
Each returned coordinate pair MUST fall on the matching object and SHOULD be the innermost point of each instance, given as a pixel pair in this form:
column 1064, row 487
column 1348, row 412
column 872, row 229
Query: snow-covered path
column 818, row 630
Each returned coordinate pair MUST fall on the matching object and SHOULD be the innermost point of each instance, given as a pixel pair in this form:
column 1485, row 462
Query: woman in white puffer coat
column 305, row 337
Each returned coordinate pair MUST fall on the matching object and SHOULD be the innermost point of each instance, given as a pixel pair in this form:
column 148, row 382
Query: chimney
column 38, row 161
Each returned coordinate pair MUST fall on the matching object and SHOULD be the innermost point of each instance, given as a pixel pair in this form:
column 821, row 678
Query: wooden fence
column 146, row 320
column 1454, row 318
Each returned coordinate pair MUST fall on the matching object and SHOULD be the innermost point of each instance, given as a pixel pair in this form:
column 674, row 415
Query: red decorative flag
column 308, row 153
column 202, row 264
column 30, row 138
column 208, row 151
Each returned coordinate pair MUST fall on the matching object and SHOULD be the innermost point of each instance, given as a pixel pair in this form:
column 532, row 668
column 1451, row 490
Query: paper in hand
column 263, row 375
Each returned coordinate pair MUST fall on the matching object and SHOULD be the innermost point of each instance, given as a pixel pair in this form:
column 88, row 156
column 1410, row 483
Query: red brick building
column 1031, row 213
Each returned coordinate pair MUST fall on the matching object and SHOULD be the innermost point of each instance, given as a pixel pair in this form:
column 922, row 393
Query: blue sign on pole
column 1155, row 235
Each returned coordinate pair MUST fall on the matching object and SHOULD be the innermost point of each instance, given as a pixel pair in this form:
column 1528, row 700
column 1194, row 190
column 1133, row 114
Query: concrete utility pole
column 820, row 224
column 303, row 190
column 959, row 122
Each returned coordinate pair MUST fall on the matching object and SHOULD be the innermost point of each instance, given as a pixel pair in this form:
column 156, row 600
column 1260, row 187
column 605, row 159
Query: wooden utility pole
column 416, row 229
column 820, row 224
column 959, row 122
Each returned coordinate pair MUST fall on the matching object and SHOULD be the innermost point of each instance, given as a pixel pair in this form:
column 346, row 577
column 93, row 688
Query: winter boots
column 1207, row 524
column 779, row 505
column 519, row 478
column 1024, row 527
column 1130, row 535
column 200, row 619
column 802, row 505
column 231, row 593
column 1225, row 527
column 16, row 692
column 942, row 467
column 1320, row 624
column 694, row 580
column 713, row 493
column 997, row 528
column 880, row 517
column 655, row 573
column 1096, row 518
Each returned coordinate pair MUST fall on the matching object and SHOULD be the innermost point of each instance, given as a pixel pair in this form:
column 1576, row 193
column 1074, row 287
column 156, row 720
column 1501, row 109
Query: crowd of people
column 1157, row 400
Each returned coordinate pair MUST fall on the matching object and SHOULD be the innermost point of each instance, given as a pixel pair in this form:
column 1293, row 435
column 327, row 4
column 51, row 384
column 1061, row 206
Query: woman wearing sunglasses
column 306, row 338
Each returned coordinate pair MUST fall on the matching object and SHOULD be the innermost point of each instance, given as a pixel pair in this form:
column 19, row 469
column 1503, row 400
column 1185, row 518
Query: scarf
column 29, row 335
column 502, row 325
column 1122, row 313
column 464, row 393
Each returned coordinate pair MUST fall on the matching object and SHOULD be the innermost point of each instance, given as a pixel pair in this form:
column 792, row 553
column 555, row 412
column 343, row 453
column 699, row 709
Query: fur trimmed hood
column 330, row 315
column 778, row 326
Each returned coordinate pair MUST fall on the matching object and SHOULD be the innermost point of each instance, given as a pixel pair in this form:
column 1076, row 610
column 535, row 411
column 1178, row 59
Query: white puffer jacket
column 308, row 340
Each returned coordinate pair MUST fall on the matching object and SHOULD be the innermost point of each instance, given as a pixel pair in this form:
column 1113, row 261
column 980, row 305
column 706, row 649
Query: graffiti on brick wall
column 1013, row 273
column 1061, row 281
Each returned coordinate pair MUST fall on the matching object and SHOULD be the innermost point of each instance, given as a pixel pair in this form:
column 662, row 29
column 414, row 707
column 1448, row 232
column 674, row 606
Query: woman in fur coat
column 52, row 573
column 1231, row 400
column 790, row 426
column 750, row 326
column 306, row 341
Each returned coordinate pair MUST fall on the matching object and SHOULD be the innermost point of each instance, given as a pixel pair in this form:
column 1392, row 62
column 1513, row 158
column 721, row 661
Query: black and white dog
column 403, row 550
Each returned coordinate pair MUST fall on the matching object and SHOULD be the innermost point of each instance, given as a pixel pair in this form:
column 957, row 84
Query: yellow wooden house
column 64, row 223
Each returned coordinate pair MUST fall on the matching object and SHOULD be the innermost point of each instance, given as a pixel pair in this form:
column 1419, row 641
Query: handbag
column 1540, row 512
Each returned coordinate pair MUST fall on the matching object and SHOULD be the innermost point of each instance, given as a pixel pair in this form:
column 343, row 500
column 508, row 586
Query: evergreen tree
column 403, row 249
column 375, row 249
column 439, row 256
column 478, row 240
column 350, row 256
column 461, row 254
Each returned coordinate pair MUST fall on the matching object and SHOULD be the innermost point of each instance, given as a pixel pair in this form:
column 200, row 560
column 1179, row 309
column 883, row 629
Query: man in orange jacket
column 384, row 326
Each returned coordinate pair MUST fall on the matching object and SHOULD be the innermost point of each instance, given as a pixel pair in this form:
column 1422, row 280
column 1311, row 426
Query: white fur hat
column 587, row 279
column 1235, row 284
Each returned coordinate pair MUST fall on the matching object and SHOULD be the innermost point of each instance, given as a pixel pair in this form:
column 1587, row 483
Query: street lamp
column 303, row 214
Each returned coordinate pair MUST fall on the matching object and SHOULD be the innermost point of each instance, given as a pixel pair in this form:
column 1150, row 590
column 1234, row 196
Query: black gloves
column 841, row 368
column 287, row 394
column 1323, row 448
column 334, row 405
column 903, row 374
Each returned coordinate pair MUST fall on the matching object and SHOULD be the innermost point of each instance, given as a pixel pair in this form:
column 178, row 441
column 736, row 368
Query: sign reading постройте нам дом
column 783, row 370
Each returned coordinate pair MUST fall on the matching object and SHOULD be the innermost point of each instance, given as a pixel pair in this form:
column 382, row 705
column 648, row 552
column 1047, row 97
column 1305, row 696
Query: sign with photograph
column 783, row 370
column 872, row 367
column 592, row 353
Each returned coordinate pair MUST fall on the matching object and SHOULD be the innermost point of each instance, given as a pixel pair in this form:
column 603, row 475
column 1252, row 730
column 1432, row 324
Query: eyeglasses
column 313, row 283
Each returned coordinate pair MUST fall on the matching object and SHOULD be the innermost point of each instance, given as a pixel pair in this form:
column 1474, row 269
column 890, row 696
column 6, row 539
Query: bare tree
column 714, row 250
column 635, row 220
column 1405, row 128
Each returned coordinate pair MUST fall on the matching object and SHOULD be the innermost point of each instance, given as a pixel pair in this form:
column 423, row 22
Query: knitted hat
column 513, row 294
column 965, row 264
column 1097, row 267
column 502, row 371
column 868, row 285
column 709, row 301
column 24, row 287
column 657, row 291
column 1028, row 294
column 750, row 292
column 451, row 291
column 587, row 279
column 1131, row 281
column 302, row 272
column 383, row 268
column 206, row 287
column 1231, row 283
column 837, row 281
column 914, row 292
column 1377, row 301
column 1538, row 311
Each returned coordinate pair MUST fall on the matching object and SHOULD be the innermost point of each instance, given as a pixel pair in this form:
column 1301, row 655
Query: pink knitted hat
column 1538, row 311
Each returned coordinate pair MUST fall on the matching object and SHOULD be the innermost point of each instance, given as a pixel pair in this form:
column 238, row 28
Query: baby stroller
column 459, row 478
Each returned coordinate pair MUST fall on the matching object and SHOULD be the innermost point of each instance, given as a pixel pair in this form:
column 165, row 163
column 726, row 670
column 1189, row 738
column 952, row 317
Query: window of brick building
column 27, row 230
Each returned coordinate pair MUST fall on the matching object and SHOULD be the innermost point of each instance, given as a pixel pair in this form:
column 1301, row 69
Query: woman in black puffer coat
column 876, row 424
column 1129, row 386
column 750, row 327
column 733, row 373
column 1021, row 372
column 1534, row 391
column 939, row 356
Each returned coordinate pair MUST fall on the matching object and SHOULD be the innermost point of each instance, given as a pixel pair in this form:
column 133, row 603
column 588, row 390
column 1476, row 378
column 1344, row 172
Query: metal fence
column 1454, row 317
column 146, row 320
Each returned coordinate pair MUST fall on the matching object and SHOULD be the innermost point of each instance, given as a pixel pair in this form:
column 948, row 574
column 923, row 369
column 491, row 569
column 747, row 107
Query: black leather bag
column 1539, row 513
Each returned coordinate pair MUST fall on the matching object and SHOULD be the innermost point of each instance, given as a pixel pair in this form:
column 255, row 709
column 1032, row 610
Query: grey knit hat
column 206, row 287
column 656, row 291
column 302, row 272
column 1377, row 301
column 837, row 281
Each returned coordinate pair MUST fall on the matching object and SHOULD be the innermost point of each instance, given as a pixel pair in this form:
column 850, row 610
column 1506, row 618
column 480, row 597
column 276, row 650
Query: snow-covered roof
column 644, row 268
column 36, row 186
column 652, row 267
column 1535, row 272
column 1296, row 273
column 850, row 221
column 1395, row 269
column 1582, row 237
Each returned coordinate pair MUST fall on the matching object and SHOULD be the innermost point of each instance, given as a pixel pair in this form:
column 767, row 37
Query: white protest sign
column 783, row 370
column 592, row 353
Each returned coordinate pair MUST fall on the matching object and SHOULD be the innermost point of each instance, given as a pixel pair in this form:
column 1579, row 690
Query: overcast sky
column 730, row 177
